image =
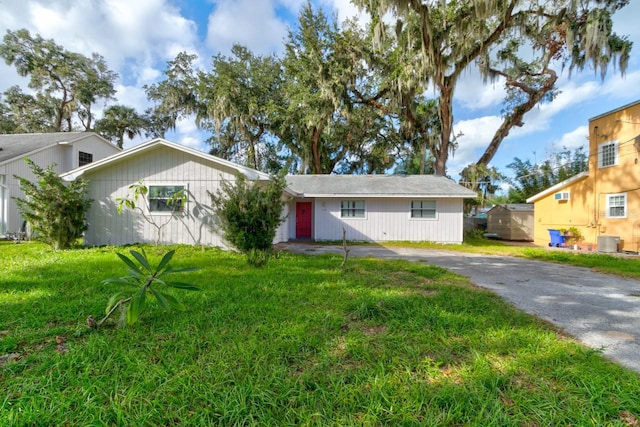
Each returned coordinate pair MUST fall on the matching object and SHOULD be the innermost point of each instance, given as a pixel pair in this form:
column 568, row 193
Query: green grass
column 624, row 266
column 299, row 342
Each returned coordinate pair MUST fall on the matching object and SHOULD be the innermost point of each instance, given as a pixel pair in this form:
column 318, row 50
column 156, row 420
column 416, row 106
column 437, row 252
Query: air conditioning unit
column 563, row 195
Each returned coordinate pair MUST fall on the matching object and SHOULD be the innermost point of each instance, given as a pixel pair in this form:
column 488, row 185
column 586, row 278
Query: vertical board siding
column 388, row 220
column 93, row 145
column 195, row 226
column 65, row 158
column 20, row 168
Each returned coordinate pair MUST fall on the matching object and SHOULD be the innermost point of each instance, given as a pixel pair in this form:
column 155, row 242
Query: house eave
column 385, row 196
column 558, row 186
column 247, row 172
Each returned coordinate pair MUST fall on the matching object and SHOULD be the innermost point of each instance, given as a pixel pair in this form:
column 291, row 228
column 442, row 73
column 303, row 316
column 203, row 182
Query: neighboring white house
column 377, row 208
column 68, row 150
column 371, row 208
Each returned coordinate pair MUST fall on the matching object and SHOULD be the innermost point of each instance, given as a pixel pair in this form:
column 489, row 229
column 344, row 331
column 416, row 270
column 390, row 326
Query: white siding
column 91, row 144
column 58, row 154
column 163, row 165
column 388, row 220
column 20, row 168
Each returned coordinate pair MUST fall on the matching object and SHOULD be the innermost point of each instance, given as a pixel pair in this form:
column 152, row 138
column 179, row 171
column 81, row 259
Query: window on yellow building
column 616, row 205
column 608, row 154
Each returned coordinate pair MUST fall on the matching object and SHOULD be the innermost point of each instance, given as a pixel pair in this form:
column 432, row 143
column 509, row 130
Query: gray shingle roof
column 376, row 186
column 17, row 145
column 525, row 207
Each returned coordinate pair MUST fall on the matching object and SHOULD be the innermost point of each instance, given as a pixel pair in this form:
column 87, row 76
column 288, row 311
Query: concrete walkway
column 602, row 311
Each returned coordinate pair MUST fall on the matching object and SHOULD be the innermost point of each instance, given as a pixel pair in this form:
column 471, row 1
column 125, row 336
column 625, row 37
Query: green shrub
column 249, row 214
column 54, row 209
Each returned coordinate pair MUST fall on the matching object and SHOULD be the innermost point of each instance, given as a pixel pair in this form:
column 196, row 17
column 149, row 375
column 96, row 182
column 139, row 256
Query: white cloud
column 145, row 31
column 259, row 29
column 474, row 93
column 571, row 140
column 621, row 87
column 345, row 9
column 476, row 135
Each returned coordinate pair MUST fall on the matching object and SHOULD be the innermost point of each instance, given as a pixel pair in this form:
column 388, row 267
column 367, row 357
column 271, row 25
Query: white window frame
column 422, row 207
column 182, row 186
column 4, row 197
column 620, row 200
column 605, row 156
column 84, row 154
column 356, row 207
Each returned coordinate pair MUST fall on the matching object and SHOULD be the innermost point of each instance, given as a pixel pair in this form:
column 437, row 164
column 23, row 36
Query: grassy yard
column 625, row 266
column 299, row 342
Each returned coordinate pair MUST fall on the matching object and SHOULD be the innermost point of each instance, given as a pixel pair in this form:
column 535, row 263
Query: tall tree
column 67, row 81
column 175, row 96
column 316, row 70
column 119, row 121
column 532, row 178
column 493, row 34
column 29, row 113
column 387, row 84
column 7, row 124
column 241, row 93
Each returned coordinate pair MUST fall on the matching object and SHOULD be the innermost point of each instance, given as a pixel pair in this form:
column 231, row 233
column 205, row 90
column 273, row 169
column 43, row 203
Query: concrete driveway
column 602, row 311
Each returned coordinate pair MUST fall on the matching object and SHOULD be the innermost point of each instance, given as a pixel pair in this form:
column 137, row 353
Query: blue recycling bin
column 557, row 238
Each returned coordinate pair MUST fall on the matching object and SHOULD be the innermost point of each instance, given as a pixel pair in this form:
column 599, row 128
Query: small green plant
column 572, row 234
column 139, row 190
column 142, row 275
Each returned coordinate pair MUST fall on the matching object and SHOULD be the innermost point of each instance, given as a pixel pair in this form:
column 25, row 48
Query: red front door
column 303, row 220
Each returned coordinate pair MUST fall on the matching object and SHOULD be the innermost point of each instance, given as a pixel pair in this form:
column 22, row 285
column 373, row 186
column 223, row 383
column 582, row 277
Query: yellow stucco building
column 603, row 203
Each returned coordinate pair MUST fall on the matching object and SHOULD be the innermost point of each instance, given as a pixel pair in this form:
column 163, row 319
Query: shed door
column 303, row 220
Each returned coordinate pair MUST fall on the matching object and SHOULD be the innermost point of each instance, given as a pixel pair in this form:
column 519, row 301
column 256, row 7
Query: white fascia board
column 558, row 186
column 387, row 196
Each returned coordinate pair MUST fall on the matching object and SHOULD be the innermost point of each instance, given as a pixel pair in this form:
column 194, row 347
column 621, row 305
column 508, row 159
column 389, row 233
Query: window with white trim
column 616, row 205
column 423, row 209
column 608, row 154
column 166, row 198
column 352, row 209
column 84, row 158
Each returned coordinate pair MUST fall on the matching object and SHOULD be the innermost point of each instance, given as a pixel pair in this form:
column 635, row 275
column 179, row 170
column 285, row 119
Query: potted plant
column 572, row 235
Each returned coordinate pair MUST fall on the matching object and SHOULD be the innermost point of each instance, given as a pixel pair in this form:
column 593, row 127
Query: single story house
column 512, row 221
column 376, row 208
column 68, row 150
column 370, row 208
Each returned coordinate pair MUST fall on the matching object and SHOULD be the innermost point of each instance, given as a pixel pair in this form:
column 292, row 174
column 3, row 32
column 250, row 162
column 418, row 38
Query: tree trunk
column 441, row 151
column 518, row 112
column 316, row 161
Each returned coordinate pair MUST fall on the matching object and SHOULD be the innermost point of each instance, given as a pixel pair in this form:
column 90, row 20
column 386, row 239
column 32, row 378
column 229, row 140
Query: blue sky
column 138, row 37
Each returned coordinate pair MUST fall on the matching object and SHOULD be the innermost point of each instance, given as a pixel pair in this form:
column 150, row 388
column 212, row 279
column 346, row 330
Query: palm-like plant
column 145, row 277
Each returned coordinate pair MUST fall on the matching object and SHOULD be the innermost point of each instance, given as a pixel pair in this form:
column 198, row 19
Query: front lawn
column 620, row 265
column 299, row 342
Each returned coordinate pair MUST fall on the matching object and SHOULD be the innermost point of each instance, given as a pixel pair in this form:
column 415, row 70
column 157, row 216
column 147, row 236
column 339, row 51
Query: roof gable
column 396, row 186
column 567, row 182
column 20, row 145
column 514, row 207
column 615, row 110
column 150, row 145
